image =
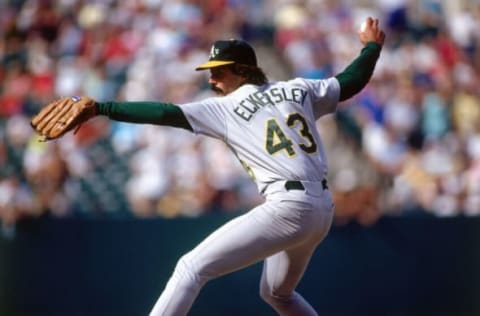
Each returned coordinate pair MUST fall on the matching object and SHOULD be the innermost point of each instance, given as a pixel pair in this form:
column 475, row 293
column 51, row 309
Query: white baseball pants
column 284, row 232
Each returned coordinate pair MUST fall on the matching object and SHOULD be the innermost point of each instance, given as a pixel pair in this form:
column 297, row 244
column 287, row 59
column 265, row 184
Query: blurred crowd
column 408, row 144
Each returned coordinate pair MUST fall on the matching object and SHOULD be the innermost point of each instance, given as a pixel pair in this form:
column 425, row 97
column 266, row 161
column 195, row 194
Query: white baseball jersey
column 271, row 128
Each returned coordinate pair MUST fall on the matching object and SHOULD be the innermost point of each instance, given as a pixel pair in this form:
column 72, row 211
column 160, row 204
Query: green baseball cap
column 226, row 52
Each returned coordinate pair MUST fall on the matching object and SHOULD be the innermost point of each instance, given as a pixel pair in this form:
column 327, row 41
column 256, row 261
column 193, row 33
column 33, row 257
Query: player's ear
column 239, row 70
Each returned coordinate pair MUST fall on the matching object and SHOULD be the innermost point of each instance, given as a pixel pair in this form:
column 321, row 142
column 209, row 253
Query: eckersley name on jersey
column 247, row 107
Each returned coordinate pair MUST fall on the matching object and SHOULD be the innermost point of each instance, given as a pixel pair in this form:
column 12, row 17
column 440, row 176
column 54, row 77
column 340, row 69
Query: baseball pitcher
column 270, row 127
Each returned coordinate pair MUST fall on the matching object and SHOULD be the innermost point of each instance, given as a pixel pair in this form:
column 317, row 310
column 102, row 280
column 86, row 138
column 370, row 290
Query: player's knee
column 188, row 268
column 268, row 295
column 184, row 268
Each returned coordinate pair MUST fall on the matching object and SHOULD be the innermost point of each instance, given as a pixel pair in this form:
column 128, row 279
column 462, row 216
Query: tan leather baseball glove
column 63, row 115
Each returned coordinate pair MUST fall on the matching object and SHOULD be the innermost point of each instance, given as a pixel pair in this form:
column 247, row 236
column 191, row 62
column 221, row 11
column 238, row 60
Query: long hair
column 253, row 75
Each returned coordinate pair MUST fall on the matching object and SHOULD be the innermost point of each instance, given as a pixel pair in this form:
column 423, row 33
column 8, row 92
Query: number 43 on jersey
column 276, row 140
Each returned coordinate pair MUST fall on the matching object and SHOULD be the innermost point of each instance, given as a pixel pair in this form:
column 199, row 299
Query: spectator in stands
column 426, row 84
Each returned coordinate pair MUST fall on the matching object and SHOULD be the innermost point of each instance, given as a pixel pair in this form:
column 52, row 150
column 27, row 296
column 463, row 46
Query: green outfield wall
column 399, row 266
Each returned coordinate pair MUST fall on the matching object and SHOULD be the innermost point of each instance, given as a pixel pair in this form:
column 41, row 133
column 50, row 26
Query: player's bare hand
column 370, row 32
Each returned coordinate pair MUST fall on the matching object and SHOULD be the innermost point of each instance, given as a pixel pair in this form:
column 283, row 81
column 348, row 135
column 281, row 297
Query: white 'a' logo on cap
column 213, row 52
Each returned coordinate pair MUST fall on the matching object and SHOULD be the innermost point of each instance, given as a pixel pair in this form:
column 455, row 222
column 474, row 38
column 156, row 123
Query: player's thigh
column 283, row 270
column 242, row 241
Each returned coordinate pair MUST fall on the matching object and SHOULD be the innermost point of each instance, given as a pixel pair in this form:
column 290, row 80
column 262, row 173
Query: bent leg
column 241, row 242
column 283, row 271
column 281, row 274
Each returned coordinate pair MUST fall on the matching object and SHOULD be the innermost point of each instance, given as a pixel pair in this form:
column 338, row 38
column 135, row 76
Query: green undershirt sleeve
column 356, row 76
column 145, row 112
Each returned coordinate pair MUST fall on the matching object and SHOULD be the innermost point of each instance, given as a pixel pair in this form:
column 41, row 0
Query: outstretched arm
column 69, row 113
column 144, row 112
column 356, row 76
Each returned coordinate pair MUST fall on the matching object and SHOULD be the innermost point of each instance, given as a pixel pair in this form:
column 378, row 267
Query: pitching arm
column 356, row 76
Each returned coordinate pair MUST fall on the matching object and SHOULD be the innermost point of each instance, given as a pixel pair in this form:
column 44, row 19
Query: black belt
column 298, row 185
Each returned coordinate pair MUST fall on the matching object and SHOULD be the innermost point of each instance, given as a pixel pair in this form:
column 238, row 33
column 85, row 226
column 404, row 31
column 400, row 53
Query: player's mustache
column 215, row 89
